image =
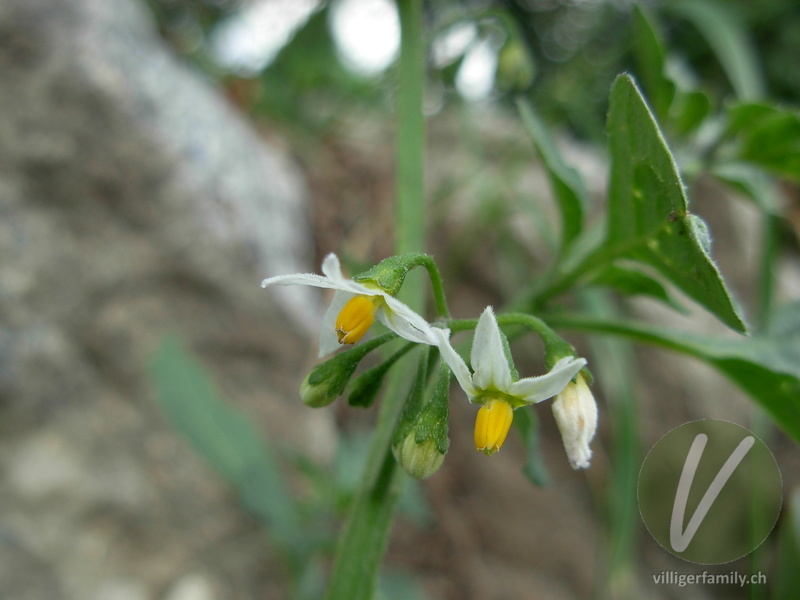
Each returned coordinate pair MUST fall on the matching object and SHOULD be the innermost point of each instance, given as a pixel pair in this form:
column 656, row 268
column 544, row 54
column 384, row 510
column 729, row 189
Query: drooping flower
column 492, row 383
column 354, row 308
column 575, row 411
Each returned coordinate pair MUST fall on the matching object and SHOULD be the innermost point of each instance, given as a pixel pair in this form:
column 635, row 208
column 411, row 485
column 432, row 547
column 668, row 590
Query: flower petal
column 301, row 279
column 331, row 267
column 455, row 362
column 405, row 322
column 328, row 340
column 333, row 271
column 535, row 389
column 488, row 357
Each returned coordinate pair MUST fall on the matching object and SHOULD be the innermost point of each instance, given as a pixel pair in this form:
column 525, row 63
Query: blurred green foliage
column 300, row 527
column 564, row 55
column 714, row 82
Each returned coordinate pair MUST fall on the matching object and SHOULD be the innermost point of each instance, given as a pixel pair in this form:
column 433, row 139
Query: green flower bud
column 327, row 380
column 421, row 440
column 317, row 396
column 420, row 460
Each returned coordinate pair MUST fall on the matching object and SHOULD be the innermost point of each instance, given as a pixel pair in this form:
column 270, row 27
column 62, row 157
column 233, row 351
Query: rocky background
column 137, row 202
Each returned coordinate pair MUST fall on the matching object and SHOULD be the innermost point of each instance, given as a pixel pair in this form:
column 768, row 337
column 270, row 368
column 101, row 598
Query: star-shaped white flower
column 492, row 384
column 354, row 308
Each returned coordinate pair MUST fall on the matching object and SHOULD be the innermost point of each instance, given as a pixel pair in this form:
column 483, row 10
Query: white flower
column 354, row 308
column 492, row 384
column 576, row 416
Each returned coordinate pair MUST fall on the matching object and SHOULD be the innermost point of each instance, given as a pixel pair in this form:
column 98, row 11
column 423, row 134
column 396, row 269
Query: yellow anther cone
column 355, row 319
column 492, row 425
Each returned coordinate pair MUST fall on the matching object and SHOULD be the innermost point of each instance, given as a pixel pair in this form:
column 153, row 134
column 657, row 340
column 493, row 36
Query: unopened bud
column 316, row 396
column 575, row 411
column 421, row 440
column 327, row 380
column 420, row 460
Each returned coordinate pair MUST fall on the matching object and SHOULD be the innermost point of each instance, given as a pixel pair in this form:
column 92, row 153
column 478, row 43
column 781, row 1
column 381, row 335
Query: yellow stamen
column 492, row 425
column 355, row 318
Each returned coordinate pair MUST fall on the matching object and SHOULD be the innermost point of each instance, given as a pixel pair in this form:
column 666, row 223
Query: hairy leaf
column 648, row 216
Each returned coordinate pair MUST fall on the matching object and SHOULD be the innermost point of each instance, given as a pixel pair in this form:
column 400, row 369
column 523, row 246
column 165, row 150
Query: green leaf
column 689, row 111
column 766, row 366
column 648, row 218
column 399, row 586
column 752, row 183
column 649, row 53
column 567, row 185
column 635, row 283
column 768, row 136
column 726, row 36
column 787, row 576
column 535, row 468
column 224, row 437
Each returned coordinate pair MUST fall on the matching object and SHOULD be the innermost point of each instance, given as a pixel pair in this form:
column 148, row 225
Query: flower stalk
column 363, row 541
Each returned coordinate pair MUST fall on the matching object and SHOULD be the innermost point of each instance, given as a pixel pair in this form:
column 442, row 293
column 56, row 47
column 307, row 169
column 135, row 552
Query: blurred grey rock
column 194, row 586
column 134, row 202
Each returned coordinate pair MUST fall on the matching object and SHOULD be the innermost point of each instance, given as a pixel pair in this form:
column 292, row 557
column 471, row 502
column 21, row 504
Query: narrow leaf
column 768, row 136
column 535, row 469
column 766, row 366
column 649, row 53
column 726, row 36
column 567, row 185
column 787, row 575
column 222, row 436
column 689, row 111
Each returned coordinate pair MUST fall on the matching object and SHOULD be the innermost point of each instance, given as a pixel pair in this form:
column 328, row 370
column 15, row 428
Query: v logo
column 680, row 540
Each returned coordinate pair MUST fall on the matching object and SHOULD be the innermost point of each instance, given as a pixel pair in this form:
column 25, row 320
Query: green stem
column 555, row 346
column 437, row 286
column 410, row 207
column 769, row 255
column 633, row 331
column 766, row 284
column 361, row 546
column 366, row 531
column 615, row 359
column 559, row 281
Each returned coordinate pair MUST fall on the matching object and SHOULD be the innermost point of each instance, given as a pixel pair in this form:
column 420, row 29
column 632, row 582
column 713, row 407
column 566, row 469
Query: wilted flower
column 576, row 416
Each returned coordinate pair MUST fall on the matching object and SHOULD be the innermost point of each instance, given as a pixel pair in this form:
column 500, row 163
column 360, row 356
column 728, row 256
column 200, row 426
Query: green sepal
column 390, row 273
column 366, row 386
column 429, row 420
column 509, row 359
column 414, row 402
column 433, row 420
column 328, row 380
